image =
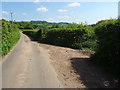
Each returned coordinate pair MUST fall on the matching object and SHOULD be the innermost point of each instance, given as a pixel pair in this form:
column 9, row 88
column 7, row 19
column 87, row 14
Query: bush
column 90, row 44
column 34, row 34
column 10, row 35
column 64, row 37
column 108, row 52
column 68, row 37
column 71, row 37
column 76, row 46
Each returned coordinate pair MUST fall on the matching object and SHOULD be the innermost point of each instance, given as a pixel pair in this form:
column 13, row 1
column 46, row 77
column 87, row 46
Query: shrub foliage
column 77, row 38
column 108, row 52
column 73, row 38
column 10, row 35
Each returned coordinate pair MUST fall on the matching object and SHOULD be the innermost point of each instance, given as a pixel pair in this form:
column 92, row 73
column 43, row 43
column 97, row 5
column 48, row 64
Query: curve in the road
column 28, row 66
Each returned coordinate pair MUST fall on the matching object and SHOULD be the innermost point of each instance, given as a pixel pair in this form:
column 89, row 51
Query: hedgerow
column 71, row 37
column 10, row 35
column 108, row 52
column 33, row 34
column 77, row 38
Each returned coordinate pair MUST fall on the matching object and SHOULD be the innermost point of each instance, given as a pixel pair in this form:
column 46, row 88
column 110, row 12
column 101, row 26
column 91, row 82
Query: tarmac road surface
column 28, row 66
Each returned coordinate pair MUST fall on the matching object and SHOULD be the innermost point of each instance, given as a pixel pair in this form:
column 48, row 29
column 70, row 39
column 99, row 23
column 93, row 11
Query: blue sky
column 78, row 12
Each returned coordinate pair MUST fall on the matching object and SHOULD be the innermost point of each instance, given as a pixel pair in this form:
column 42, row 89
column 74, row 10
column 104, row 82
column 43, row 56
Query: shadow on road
column 93, row 76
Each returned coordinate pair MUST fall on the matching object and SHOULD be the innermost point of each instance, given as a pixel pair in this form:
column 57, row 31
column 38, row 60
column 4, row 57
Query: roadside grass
column 87, row 51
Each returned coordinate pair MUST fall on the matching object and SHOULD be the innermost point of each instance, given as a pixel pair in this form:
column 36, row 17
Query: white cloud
column 36, row 1
column 3, row 18
column 24, row 14
column 42, row 9
column 50, row 19
column 62, row 10
column 63, row 17
column 5, row 12
column 75, row 4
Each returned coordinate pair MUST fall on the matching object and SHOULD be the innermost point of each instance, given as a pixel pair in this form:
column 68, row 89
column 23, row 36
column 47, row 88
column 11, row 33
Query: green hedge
column 70, row 37
column 64, row 37
column 77, row 38
column 34, row 34
column 108, row 52
column 10, row 35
